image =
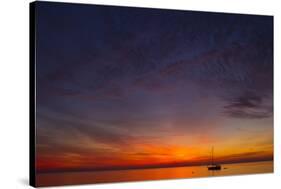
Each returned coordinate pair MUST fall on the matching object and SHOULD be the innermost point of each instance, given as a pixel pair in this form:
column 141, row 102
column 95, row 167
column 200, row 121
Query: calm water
column 67, row 178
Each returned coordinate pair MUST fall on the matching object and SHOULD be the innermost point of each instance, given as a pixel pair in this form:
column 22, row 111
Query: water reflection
column 150, row 174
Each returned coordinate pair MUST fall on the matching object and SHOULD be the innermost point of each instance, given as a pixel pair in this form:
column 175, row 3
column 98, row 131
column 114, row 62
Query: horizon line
column 149, row 166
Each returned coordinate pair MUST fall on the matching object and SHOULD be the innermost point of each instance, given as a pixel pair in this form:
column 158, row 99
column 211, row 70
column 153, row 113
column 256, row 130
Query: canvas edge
column 32, row 176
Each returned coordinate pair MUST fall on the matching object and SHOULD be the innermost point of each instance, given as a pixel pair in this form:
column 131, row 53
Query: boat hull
column 214, row 167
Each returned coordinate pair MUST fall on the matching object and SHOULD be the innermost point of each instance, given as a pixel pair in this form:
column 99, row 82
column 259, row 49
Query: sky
column 120, row 87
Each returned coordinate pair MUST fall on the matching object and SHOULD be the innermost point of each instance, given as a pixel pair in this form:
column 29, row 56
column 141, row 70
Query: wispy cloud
column 249, row 106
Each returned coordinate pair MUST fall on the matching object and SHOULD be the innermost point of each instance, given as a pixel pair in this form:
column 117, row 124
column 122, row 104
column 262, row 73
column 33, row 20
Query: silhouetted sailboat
column 214, row 166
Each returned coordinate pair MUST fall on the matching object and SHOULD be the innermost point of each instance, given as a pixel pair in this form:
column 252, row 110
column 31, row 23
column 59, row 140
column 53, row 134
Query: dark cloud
column 250, row 106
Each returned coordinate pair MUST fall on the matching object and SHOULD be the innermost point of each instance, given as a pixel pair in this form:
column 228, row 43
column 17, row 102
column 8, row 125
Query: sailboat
column 213, row 166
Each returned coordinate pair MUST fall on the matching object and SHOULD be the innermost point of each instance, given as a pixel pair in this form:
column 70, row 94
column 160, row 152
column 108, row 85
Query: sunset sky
column 121, row 87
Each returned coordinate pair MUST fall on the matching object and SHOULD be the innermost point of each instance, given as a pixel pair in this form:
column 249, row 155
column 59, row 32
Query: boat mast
column 212, row 155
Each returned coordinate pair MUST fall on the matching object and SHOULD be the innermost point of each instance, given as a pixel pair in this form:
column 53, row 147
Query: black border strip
column 32, row 179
